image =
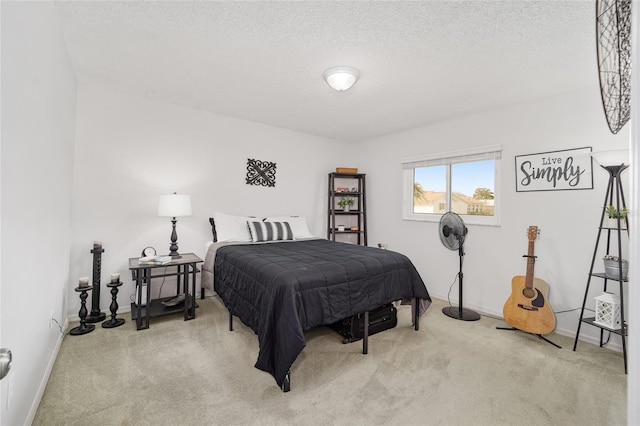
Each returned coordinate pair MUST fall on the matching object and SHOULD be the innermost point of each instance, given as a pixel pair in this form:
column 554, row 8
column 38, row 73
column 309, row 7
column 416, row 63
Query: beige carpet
column 448, row 373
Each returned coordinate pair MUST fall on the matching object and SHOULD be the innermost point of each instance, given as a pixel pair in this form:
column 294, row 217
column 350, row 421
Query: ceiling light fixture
column 341, row 78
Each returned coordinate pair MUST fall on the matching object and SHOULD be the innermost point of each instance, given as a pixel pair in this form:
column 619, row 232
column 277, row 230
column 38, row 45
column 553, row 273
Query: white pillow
column 298, row 225
column 231, row 228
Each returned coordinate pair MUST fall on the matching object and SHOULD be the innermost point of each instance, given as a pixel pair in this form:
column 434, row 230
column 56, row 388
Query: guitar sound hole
column 529, row 293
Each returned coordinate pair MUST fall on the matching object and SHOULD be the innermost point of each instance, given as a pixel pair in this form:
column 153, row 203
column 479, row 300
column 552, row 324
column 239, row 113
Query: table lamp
column 174, row 206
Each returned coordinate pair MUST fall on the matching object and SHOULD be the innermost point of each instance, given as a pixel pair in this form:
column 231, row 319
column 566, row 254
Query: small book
column 154, row 260
column 347, row 170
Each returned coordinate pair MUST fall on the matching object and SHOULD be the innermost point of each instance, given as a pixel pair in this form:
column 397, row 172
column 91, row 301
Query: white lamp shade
column 174, row 205
column 341, row 78
column 612, row 157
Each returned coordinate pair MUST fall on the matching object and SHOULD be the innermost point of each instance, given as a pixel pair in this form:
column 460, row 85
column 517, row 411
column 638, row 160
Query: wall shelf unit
column 608, row 232
column 347, row 223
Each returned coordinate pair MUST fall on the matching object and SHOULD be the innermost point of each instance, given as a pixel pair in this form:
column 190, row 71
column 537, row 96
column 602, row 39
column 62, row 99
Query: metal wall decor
column 261, row 173
column 613, row 33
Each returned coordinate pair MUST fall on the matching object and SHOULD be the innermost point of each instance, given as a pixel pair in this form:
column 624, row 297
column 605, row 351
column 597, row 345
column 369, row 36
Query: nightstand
column 184, row 269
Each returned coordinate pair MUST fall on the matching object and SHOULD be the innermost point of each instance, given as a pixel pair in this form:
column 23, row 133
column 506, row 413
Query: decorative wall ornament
column 261, row 173
column 555, row 170
column 613, row 33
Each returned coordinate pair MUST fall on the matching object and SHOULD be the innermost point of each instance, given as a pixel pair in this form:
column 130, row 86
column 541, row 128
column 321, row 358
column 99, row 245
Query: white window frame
column 493, row 152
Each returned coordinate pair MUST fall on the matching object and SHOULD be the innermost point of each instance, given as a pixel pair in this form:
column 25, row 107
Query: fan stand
column 460, row 313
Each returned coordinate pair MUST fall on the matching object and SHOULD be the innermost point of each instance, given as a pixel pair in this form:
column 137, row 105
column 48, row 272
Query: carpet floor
column 448, row 373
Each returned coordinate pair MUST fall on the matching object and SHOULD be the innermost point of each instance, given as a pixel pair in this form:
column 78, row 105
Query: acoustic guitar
column 528, row 308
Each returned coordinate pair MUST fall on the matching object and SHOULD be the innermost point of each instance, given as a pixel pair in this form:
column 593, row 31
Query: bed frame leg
column 230, row 321
column 286, row 385
column 365, row 334
column 416, row 314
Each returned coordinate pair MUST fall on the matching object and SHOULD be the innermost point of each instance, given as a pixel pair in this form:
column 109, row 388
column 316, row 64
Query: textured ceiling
column 419, row 62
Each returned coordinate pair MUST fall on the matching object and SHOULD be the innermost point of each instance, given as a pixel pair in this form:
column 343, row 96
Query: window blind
column 464, row 156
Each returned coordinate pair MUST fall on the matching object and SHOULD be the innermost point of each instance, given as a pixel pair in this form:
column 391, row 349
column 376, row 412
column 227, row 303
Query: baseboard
column 45, row 379
column 123, row 310
column 588, row 339
column 563, row 332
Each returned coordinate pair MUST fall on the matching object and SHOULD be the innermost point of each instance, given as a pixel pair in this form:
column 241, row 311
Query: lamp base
column 173, row 248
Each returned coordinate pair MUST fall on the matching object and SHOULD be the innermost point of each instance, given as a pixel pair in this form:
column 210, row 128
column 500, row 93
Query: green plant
column 343, row 202
column 613, row 213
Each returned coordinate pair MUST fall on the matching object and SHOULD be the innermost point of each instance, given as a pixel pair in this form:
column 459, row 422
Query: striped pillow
column 270, row 231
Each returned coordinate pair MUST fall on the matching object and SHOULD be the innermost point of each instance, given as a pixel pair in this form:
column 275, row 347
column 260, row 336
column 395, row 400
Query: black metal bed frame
column 415, row 304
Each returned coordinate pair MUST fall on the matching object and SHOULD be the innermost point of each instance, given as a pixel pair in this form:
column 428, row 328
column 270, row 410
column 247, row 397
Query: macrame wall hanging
column 261, row 173
column 613, row 33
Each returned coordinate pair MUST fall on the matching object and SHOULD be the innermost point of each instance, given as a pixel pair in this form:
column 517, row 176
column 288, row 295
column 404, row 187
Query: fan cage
column 454, row 221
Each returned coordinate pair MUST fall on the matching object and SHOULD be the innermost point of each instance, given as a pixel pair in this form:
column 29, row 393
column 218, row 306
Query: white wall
column 130, row 150
column 568, row 220
column 38, row 127
column 633, row 388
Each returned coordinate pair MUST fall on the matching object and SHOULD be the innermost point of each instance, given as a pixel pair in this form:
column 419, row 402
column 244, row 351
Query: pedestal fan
column 452, row 234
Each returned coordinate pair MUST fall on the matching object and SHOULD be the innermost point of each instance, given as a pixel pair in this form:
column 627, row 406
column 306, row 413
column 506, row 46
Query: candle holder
column 83, row 328
column 113, row 322
column 96, row 315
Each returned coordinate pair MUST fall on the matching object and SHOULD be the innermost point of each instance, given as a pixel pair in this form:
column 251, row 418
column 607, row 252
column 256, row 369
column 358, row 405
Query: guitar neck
column 531, row 260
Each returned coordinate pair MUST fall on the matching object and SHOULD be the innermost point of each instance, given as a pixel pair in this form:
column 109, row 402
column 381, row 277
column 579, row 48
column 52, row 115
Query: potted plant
column 613, row 214
column 345, row 203
column 612, row 267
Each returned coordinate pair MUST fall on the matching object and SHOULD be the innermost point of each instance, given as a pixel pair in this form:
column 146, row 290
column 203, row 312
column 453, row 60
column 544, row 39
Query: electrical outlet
column 51, row 319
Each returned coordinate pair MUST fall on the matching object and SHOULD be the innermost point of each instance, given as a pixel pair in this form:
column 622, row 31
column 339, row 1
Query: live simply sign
column 554, row 171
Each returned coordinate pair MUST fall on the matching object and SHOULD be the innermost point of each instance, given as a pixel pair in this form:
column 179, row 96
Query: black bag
column 380, row 319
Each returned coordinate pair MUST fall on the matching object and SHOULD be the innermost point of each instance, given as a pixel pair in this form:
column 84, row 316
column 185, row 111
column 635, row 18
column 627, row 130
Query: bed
column 281, row 288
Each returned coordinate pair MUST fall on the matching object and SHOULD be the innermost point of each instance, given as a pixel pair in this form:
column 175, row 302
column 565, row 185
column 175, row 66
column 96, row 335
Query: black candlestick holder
column 83, row 328
column 113, row 322
column 96, row 315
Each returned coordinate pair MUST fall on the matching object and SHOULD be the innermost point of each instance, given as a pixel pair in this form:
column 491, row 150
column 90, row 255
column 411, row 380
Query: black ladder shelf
column 614, row 192
column 347, row 224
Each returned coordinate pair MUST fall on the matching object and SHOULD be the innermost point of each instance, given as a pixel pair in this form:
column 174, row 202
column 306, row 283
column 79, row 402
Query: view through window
column 463, row 183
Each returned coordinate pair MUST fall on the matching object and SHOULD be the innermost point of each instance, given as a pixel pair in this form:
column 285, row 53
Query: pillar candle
column 115, row 277
column 97, row 244
column 84, row 281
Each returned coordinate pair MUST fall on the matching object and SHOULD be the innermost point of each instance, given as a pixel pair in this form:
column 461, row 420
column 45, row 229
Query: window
column 464, row 182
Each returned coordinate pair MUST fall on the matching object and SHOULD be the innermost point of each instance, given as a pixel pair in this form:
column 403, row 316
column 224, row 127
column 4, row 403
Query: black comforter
column 280, row 290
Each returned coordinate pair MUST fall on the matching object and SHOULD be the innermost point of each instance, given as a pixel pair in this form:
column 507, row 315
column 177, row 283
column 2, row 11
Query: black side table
column 184, row 269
